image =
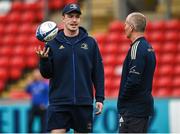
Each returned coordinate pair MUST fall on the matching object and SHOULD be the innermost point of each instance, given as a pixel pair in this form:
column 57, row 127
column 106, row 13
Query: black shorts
column 128, row 124
column 76, row 117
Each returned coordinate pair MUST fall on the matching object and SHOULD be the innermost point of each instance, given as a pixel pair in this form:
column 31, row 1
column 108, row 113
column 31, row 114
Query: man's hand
column 42, row 53
column 99, row 107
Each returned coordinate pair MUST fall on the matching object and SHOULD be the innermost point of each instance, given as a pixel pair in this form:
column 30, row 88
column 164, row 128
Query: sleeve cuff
column 100, row 99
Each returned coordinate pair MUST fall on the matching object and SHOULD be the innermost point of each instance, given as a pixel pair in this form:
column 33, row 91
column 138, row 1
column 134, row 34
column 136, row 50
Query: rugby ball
column 46, row 31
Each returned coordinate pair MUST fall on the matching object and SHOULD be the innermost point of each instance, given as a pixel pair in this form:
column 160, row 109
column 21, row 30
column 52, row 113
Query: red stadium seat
column 155, row 26
column 119, row 59
column 177, row 58
column 178, row 47
column 167, row 58
column 2, row 85
column 3, row 19
column 163, row 92
column 40, row 16
column 25, row 28
column 17, row 6
column 109, row 60
column 101, row 38
column 17, row 62
column 108, row 71
column 111, row 48
column 14, row 17
column 8, row 40
column 5, row 51
column 32, row 62
column 70, row 1
column 172, row 25
column 165, row 70
column 116, row 26
column 113, row 93
column 15, row 73
column 149, row 26
column 113, row 38
column 116, row 83
column 108, row 83
column 155, row 37
column 30, row 51
column 176, row 71
column 22, row 40
column 12, row 28
column 18, row 51
column 175, row 92
column 169, row 47
column 4, row 62
column 4, row 74
column 27, row 17
column 35, row 6
column 56, row 4
column 164, row 82
column 1, row 29
column 176, row 82
column 172, row 36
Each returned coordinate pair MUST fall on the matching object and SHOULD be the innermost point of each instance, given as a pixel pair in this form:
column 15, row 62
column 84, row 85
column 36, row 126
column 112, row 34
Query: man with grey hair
column 135, row 101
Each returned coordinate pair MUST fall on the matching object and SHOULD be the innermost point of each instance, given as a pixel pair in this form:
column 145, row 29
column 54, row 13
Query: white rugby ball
column 46, row 31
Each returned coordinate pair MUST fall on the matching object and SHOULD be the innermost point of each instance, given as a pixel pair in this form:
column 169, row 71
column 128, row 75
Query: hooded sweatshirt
column 74, row 69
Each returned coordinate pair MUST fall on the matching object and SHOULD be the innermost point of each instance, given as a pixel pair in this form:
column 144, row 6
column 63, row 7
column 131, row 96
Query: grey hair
column 138, row 21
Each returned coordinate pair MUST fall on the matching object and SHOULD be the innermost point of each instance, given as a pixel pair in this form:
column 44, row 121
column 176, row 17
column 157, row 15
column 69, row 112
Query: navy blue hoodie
column 135, row 97
column 73, row 69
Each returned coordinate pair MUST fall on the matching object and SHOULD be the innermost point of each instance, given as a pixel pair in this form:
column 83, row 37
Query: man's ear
column 132, row 28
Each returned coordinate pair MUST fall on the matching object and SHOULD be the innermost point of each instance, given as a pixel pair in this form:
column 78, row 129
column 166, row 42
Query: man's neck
column 136, row 36
column 69, row 33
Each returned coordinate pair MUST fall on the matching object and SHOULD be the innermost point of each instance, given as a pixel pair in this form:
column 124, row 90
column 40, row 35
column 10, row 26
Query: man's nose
column 74, row 18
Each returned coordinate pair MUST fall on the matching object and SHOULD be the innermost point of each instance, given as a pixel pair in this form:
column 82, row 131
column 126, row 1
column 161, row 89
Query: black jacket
column 73, row 69
column 135, row 97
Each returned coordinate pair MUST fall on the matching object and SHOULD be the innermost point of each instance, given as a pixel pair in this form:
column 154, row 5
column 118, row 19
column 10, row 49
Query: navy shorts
column 128, row 124
column 76, row 117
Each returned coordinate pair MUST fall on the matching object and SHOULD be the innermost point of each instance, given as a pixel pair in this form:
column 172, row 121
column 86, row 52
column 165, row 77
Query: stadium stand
column 18, row 42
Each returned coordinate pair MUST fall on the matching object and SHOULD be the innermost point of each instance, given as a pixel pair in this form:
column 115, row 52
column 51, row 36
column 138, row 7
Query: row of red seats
column 14, row 29
column 162, row 25
column 162, row 59
column 169, row 48
column 160, row 37
column 20, row 18
column 23, row 40
column 37, row 6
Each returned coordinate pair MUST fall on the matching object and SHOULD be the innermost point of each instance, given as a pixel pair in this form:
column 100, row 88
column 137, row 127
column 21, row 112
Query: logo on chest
column 84, row 46
column 61, row 47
